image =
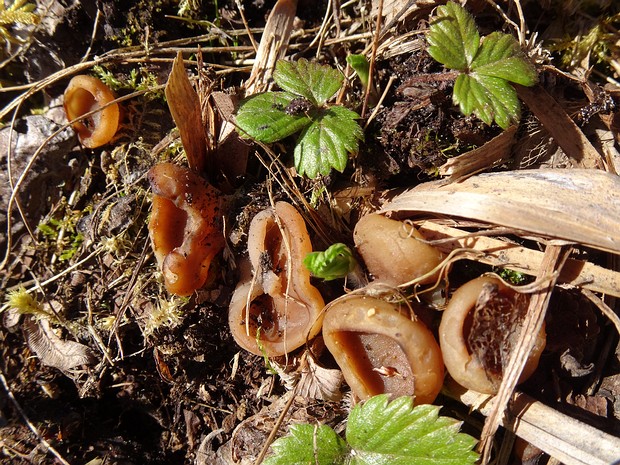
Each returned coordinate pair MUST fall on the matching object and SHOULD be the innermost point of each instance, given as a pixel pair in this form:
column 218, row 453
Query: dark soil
column 173, row 390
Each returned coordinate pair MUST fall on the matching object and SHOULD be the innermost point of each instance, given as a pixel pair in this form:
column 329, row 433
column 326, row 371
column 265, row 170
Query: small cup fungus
column 83, row 95
column 380, row 350
column 184, row 227
column 394, row 251
column 477, row 331
column 277, row 310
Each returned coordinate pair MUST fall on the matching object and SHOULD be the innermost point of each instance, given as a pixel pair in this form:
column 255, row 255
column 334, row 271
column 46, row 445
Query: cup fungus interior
column 381, row 349
column 184, row 226
column 274, row 308
column 478, row 330
column 380, row 359
column 83, row 95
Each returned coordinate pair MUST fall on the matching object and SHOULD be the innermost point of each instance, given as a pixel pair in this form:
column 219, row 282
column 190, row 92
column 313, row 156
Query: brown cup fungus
column 477, row 331
column 185, row 226
column 380, row 350
column 83, row 95
column 394, row 251
column 275, row 309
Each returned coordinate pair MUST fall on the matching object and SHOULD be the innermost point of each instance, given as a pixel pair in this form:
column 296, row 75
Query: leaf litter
column 168, row 384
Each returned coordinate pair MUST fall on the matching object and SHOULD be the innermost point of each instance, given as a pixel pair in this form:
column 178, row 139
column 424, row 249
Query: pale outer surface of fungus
column 284, row 308
column 394, row 251
column 185, row 227
column 83, row 95
column 464, row 367
column 380, row 350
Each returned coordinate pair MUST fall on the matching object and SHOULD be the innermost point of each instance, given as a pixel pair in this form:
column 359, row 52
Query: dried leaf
column 581, row 206
column 318, row 382
column 53, row 351
column 185, row 108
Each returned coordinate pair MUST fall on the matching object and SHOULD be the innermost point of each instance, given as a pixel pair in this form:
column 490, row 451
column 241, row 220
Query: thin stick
column 553, row 260
column 373, row 57
column 32, row 428
column 276, row 427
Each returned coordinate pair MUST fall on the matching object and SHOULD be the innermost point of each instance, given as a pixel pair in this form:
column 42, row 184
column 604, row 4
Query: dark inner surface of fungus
column 172, row 225
column 83, row 102
column 379, row 362
column 274, row 245
column 264, row 318
column 491, row 328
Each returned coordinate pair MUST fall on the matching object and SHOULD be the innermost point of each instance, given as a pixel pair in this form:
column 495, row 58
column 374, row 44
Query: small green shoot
column 487, row 65
column 380, row 432
column 328, row 133
column 361, row 66
column 335, row 262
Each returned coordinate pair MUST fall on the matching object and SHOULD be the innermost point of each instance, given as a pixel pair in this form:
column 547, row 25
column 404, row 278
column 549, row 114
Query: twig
column 92, row 37
column 373, row 57
column 32, row 428
column 553, row 260
column 276, row 427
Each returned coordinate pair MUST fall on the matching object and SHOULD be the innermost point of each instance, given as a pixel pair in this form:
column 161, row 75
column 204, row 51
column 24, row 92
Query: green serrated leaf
column 318, row 83
column 489, row 98
column 325, row 144
column 396, row 433
column 335, row 262
column 263, row 118
column 453, row 37
column 500, row 56
column 308, row 444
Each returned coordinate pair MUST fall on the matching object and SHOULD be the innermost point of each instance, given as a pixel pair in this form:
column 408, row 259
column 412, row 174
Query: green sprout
column 328, row 132
column 361, row 66
column 335, row 262
column 486, row 65
column 379, row 432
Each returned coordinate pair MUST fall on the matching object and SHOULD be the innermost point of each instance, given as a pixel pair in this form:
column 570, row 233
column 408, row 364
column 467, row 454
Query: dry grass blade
column 581, row 206
column 185, row 108
column 561, row 436
column 492, row 153
column 553, row 260
column 505, row 254
column 273, row 45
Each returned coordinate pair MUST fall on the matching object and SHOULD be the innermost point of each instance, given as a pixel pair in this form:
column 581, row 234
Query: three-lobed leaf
column 325, row 144
column 488, row 65
column 319, row 445
column 318, row 83
column 263, row 118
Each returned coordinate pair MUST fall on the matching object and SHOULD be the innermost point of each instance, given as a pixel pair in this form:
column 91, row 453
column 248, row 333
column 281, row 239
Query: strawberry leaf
column 326, row 142
column 488, row 66
column 396, row 433
column 318, row 83
column 500, row 56
column 453, row 37
column 263, row 117
column 306, row 444
column 489, row 98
